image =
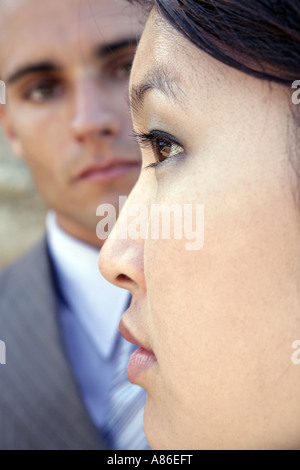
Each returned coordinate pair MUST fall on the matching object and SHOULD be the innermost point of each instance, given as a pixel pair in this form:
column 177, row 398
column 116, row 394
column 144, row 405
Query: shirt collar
column 97, row 303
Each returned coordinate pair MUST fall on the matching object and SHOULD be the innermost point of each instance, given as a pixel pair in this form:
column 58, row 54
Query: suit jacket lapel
column 39, row 403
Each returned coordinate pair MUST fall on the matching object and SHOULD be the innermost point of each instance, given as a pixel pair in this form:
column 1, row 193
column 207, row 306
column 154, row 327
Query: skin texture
column 221, row 321
column 75, row 113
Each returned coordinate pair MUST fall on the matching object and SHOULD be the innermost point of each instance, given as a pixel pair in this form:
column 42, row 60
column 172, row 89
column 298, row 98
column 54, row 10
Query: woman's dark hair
column 259, row 37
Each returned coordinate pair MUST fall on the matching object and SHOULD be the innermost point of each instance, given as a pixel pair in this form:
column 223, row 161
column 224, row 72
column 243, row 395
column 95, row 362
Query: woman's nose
column 121, row 259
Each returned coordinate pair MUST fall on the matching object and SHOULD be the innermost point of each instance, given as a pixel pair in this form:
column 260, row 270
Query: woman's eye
column 164, row 149
column 162, row 145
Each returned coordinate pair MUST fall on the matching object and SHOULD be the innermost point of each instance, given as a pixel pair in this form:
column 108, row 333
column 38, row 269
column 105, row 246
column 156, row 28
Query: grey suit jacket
column 40, row 407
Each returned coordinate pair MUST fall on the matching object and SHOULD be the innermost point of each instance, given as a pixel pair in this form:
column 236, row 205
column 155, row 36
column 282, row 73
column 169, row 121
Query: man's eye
column 44, row 91
column 164, row 149
column 123, row 71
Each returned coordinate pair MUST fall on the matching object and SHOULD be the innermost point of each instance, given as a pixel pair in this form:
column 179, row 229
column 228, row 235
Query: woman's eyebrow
column 159, row 79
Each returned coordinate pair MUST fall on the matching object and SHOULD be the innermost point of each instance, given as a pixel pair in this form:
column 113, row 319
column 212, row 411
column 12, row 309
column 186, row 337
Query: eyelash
column 153, row 140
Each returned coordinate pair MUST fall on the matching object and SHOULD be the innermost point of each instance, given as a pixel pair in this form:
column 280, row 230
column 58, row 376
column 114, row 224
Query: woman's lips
column 141, row 360
column 105, row 173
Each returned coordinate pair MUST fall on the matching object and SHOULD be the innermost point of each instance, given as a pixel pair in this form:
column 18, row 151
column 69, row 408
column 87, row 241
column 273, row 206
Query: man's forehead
column 7, row 5
column 61, row 31
column 103, row 11
column 9, row 8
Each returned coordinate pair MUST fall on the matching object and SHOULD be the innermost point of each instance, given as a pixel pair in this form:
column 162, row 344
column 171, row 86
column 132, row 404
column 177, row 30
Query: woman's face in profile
column 220, row 319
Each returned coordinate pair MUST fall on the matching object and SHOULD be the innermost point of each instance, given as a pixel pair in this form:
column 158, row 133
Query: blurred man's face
column 66, row 66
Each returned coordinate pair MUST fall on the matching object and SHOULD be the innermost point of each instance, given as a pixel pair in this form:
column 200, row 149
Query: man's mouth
column 109, row 171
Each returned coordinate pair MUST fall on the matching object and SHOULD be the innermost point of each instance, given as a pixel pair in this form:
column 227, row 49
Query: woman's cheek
column 173, row 305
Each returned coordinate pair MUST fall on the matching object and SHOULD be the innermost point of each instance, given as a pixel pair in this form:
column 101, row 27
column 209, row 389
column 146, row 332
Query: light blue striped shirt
column 90, row 311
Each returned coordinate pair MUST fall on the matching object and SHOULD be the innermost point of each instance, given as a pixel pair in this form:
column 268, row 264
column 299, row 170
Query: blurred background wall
column 22, row 213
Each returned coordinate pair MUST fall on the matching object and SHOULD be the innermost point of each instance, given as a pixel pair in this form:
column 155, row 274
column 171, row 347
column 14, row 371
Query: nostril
column 123, row 278
column 106, row 133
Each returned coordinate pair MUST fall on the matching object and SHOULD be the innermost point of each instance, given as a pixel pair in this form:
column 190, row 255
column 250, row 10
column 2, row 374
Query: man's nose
column 93, row 113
